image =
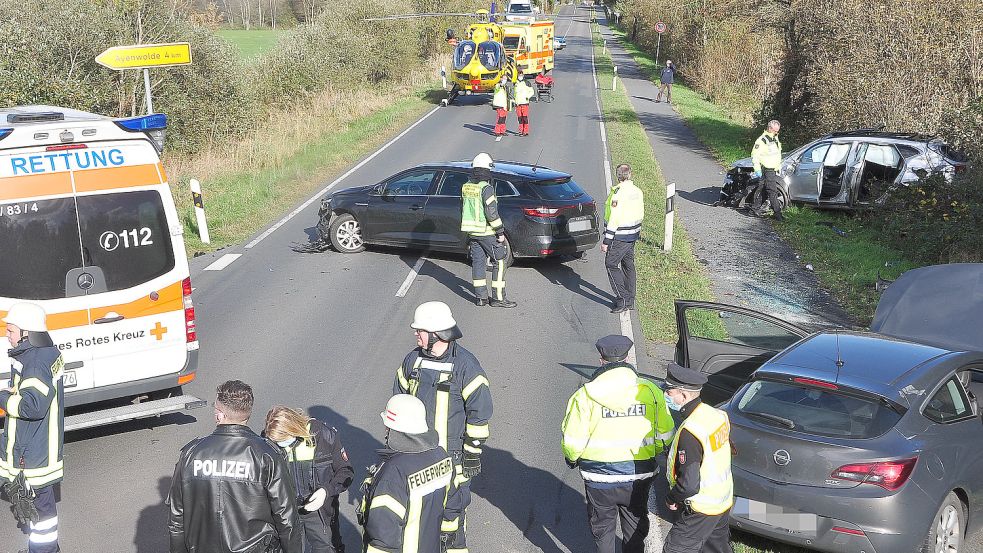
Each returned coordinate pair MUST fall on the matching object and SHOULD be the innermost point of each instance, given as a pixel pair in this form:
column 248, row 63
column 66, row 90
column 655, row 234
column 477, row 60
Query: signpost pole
column 658, row 45
column 146, row 85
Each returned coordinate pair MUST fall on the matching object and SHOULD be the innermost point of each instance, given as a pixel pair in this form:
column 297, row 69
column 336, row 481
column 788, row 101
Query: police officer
column 403, row 504
column 232, row 490
column 623, row 214
column 767, row 159
column 501, row 103
column 321, row 470
column 486, row 233
column 454, row 389
column 615, row 426
column 34, row 434
column 701, row 489
column 523, row 94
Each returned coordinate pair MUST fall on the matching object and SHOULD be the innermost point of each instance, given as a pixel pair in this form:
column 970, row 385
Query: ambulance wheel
column 346, row 234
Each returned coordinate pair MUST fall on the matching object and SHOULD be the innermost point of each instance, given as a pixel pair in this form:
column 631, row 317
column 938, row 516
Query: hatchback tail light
column 889, row 475
column 190, row 332
column 544, row 212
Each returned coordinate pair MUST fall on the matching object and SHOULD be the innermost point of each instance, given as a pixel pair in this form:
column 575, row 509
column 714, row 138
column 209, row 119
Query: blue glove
column 757, row 174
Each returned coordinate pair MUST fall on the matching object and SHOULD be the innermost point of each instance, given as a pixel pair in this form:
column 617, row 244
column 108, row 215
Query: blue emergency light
column 151, row 125
column 4, row 132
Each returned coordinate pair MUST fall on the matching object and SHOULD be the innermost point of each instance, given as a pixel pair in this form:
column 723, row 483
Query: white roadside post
column 614, row 79
column 443, row 76
column 670, row 208
column 604, row 49
column 199, row 211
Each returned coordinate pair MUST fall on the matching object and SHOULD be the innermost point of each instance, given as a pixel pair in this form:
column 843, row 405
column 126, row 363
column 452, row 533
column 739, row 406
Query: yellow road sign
column 139, row 56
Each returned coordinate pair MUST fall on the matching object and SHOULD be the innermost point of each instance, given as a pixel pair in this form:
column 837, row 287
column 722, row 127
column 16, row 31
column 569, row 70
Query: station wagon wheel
column 945, row 534
column 346, row 234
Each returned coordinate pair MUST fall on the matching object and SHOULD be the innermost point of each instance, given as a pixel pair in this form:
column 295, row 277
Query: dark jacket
column 327, row 468
column 232, row 493
column 668, row 74
column 35, row 413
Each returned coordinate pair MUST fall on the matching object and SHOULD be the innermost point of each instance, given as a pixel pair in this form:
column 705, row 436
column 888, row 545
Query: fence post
column 670, row 208
column 199, row 211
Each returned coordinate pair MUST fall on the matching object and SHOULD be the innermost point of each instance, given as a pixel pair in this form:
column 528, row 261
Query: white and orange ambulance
column 531, row 44
column 89, row 231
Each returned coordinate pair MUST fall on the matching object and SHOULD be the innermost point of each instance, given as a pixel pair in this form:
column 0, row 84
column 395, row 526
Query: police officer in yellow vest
column 701, row 488
column 767, row 159
column 486, row 233
column 615, row 426
column 623, row 213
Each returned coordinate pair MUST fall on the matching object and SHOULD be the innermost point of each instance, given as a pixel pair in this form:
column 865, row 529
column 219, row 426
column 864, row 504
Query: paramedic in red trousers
column 34, row 432
column 502, row 104
column 623, row 213
column 523, row 94
column 232, row 491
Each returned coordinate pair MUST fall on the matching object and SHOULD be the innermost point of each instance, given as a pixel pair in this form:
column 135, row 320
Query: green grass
column 253, row 43
column 662, row 277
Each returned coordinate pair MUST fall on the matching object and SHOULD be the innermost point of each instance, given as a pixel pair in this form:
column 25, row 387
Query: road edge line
column 411, row 277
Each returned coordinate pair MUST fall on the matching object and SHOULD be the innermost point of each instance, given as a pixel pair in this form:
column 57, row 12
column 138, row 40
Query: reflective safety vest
column 767, row 152
column 623, row 213
column 501, row 98
column 712, row 428
column 473, row 220
column 523, row 93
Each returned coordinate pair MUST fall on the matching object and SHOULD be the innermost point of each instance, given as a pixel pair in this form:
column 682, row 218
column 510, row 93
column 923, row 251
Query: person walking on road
column 523, row 94
column 232, row 490
column 34, row 434
column 406, row 495
column 486, row 233
column 502, row 104
column 666, row 79
column 623, row 214
column 454, row 388
column 767, row 159
column 615, row 426
column 701, row 488
column 321, row 470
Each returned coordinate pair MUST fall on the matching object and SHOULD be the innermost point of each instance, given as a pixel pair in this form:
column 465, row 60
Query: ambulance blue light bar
column 5, row 132
column 145, row 123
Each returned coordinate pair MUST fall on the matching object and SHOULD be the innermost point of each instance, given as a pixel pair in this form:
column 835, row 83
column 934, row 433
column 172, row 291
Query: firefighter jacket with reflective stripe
column 34, row 433
column 319, row 462
column 479, row 210
column 523, row 92
column 615, row 426
column 232, row 493
column 500, row 99
column 767, row 152
column 403, row 506
column 455, row 390
column 623, row 213
column 712, row 428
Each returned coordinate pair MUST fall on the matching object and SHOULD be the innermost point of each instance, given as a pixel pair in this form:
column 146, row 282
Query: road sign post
column 660, row 28
column 145, row 56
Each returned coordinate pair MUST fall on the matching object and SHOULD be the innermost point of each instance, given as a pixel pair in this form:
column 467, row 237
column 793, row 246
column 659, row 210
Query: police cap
column 614, row 347
column 684, row 378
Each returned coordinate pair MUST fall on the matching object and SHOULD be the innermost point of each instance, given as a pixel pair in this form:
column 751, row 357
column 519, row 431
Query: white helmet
column 482, row 160
column 405, row 413
column 27, row 316
column 433, row 316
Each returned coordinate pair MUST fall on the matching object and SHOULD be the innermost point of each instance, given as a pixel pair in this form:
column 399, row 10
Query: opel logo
column 85, row 281
column 782, row 458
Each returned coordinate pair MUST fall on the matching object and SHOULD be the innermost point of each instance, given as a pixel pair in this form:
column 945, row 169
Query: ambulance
column 531, row 44
column 89, row 231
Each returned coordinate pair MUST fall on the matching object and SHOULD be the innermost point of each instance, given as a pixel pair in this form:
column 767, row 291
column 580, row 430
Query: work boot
column 481, row 302
column 619, row 306
column 502, row 303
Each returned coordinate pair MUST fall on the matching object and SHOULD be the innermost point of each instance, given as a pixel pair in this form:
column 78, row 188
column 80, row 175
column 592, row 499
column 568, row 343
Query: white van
column 520, row 11
column 89, row 231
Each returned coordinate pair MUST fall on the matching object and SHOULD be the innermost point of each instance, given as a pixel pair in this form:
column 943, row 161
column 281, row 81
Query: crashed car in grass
column 848, row 169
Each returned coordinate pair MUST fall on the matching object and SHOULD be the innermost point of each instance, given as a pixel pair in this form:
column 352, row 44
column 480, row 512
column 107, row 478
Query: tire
column 752, row 199
column 346, row 234
column 946, row 533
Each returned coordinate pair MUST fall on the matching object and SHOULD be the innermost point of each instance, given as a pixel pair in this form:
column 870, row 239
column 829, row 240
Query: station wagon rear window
column 559, row 189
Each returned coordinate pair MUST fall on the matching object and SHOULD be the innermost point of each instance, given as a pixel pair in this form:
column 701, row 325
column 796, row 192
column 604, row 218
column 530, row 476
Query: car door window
column 504, row 189
column 815, row 154
column 949, row 403
column 884, row 155
column 413, row 184
column 836, row 155
column 738, row 329
column 452, row 183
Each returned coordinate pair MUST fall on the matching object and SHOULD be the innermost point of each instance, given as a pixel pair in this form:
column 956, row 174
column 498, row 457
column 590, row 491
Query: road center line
column 223, row 262
column 410, row 277
column 325, row 190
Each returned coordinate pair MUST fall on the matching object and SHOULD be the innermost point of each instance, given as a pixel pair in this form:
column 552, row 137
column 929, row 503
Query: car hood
column 352, row 191
column 746, row 162
column 940, row 305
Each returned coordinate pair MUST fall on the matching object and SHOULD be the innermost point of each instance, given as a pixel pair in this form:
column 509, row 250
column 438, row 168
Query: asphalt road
column 325, row 332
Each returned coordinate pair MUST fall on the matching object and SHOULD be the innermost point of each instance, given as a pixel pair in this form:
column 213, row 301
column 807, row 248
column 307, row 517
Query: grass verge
column 662, row 277
column 253, row 43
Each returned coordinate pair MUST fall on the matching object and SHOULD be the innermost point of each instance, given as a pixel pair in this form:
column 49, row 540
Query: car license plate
column 788, row 520
column 69, row 380
column 577, row 225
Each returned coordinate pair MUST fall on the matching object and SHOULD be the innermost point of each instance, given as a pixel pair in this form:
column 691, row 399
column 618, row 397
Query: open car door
column 728, row 343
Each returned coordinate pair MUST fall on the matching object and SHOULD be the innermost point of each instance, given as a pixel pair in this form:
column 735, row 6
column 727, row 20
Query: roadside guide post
column 443, row 76
column 614, row 79
column 660, row 28
column 145, row 56
column 670, row 208
column 199, row 211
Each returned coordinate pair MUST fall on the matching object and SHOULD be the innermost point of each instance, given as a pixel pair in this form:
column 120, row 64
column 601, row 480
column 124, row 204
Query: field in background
column 253, row 43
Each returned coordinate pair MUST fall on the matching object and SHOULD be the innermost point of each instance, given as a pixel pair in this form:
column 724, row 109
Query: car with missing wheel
column 852, row 441
column 545, row 212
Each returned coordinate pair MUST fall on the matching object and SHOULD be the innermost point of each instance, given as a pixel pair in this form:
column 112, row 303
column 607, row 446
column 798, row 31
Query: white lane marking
column 324, row 190
column 498, row 139
column 223, row 262
column 600, row 116
column 410, row 277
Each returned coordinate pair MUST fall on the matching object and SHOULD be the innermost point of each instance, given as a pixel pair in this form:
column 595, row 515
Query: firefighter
column 701, row 488
column 454, row 389
column 615, row 426
column 232, row 489
column 502, row 104
column 767, row 159
column 486, row 233
column 321, row 470
column 623, row 214
column 404, row 495
column 34, row 434
column 523, row 94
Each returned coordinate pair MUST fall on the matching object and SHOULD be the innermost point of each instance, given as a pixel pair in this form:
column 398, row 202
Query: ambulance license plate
column 68, row 379
column 577, row 225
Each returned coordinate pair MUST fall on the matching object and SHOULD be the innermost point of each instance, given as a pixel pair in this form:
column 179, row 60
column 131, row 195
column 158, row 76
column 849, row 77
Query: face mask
column 670, row 403
column 286, row 443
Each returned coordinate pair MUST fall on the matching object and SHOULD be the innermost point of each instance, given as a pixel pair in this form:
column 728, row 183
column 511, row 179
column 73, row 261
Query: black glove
column 571, row 464
column 471, row 465
column 22, row 500
column 446, row 538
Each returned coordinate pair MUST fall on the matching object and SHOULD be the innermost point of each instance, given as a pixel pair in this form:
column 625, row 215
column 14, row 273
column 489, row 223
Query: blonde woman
column 321, row 471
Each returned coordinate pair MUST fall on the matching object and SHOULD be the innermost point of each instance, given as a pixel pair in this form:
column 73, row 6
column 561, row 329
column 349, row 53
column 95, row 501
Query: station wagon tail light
column 190, row 332
column 544, row 212
column 889, row 475
column 814, row 382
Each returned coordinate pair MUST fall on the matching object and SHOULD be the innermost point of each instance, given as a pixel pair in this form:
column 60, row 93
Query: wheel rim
column 349, row 235
column 947, row 531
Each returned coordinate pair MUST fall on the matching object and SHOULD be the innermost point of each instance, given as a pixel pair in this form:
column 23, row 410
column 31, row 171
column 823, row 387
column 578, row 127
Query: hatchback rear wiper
column 788, row 423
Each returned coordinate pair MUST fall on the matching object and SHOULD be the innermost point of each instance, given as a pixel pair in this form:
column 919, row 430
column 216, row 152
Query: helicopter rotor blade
column 418, row 15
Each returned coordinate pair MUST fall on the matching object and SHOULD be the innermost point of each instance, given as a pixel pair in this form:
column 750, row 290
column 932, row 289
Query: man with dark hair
column 232, row 490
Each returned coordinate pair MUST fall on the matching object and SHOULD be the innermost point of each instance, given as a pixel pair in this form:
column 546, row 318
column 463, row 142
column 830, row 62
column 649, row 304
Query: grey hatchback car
column 854, row 441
